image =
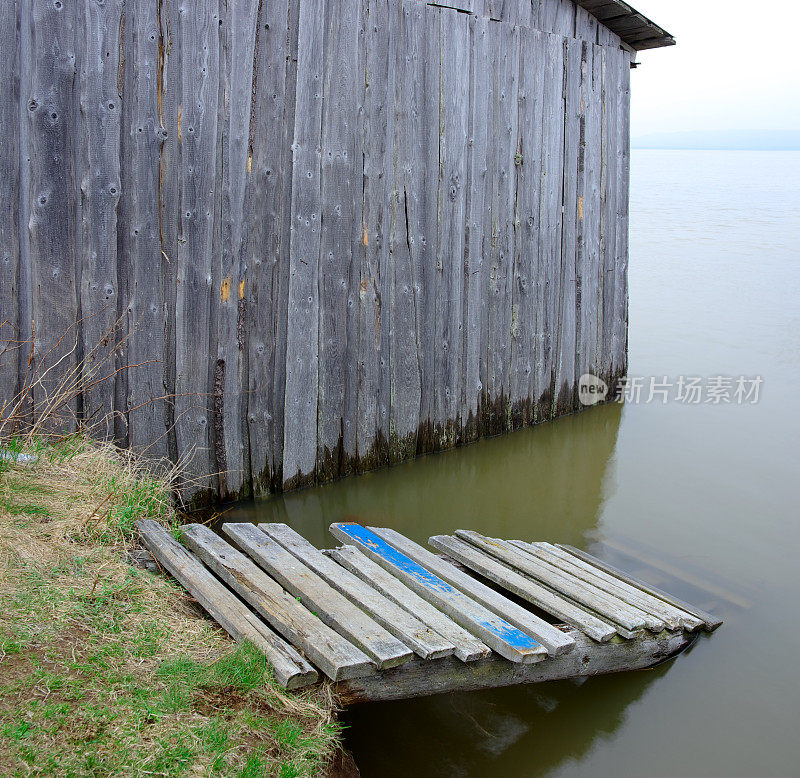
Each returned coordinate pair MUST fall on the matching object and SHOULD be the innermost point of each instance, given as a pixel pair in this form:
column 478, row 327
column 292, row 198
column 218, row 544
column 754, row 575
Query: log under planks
column 356, row 613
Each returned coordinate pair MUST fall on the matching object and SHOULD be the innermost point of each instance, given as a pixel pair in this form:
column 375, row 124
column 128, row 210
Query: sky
column 736, row 66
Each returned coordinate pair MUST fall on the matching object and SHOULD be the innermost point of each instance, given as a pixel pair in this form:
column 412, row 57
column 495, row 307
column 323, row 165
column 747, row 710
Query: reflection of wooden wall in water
column 335, row 233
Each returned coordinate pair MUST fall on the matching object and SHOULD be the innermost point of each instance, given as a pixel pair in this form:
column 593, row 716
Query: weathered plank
column 414, row 183
column 674, row 618
column 571, row 204
column 291, row 670
column 341, row 198
column 266, row 285
column 51, row 109
column 548, row 321
column 629, row 618
column 476, row 269
column 548, row 635
column 453, row 128
column 399, row 622
column 317, row 595
column 10, row 330
column 467, row 647
column 302, row 341
column 557, row 567
column 711, row 622
column 540, row 596
column 619, row 344
column 241, row 30
column 142, row 224
column 99, row 31
column 418, row 678
column 505, row 58
column 330, row 652
column 498, row 634
column 198, row 124
column 526, row 229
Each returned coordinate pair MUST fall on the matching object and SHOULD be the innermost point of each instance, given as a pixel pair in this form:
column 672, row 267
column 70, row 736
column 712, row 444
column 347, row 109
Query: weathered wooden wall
column 335, row 233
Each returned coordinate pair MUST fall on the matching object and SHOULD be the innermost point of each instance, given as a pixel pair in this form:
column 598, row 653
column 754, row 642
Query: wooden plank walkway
column 384, row 618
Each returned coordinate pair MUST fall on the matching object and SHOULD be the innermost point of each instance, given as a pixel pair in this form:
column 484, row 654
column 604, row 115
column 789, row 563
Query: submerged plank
column 673, row 617
column 710, row 621
column 467, row 647
column 402, row 624
column 498, row 634
column 555, row 641
column 334, row 655
column 572, row 572
column 418, row 678
column 317, row 595
column 486, row 565
column 576, row 590
column 291, row 670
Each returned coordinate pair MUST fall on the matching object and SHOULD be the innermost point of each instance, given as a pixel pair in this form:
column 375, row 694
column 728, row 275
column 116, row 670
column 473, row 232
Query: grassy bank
column 107, row 669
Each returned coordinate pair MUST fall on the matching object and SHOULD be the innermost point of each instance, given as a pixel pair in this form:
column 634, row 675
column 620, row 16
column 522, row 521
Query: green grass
column 104, row 668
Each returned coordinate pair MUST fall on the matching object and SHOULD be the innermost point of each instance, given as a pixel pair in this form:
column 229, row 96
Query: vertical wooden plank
column 589, row 209
column 477, row 236
column 302, row 342
column 267, row 265
column 550, row 220
column 374, row 326
column 342, row 192
column 608, row 196
column 505, row 51
column 98, row 170
column 526, row 228
column 453, row 129
column 10, row 330
column 407, row 241
column 566, row 318
column 620, row 340
column 139, row 232
column 170, row 116
column 418, row 145
column 197, row 134
column 241, row 30
column 52, row 218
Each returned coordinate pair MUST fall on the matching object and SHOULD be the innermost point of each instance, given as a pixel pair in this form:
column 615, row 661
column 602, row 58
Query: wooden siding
column 312, row 239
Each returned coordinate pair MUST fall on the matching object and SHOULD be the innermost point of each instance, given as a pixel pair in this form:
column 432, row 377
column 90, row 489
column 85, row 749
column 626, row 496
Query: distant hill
column 770, row 140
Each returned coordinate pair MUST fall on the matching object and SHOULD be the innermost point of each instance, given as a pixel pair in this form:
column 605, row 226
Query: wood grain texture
column 542, row 597
column 628, row 618
column 336, row 657
column 198, row 125
column 500, row 635
column 53, row 199
column 291, row 670
column 10, row 325
column 342, row 233
column 711, row 622
column 98, row 171
column 317, row 595
column 394, row 619
column 467, row 647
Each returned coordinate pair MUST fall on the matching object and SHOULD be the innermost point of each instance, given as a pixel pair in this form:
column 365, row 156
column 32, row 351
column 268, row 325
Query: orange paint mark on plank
column 225, row 290
column 580, row 208
column 241, row 289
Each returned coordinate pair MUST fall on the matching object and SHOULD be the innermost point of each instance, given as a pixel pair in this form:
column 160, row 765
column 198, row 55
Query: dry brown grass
column 106, row 669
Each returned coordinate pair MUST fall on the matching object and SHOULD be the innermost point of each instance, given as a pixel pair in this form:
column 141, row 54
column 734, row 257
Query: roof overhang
column 636, row 30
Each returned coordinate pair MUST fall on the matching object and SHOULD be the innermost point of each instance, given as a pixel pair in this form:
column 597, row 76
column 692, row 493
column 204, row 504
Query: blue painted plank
column 503, row 637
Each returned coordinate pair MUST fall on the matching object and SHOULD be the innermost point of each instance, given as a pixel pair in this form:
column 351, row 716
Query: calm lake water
column 710, row 492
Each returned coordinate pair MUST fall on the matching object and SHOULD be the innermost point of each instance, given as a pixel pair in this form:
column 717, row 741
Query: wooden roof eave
column 636, row 31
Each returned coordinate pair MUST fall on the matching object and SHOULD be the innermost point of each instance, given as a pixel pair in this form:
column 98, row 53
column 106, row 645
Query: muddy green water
column 709, row 491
